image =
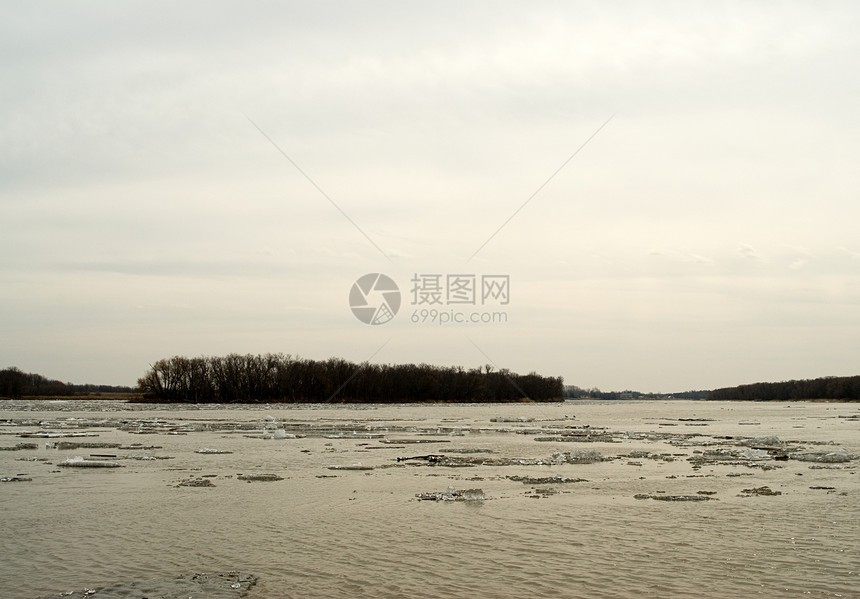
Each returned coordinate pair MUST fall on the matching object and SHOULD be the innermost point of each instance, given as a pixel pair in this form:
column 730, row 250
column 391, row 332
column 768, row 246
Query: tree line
column 846, row 388
column 282, row 378
column 15, row 383
column 574, row 392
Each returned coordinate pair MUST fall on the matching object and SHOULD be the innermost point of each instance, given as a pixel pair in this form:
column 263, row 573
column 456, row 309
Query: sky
column 666, row 192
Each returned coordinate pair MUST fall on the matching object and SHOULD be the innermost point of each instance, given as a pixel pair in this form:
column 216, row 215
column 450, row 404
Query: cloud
column 854, row 255
column 680, row 256
column 750, row 253
column 129, row 176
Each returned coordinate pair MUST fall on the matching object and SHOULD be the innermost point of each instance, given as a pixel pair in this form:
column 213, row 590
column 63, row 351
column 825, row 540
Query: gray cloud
column 720, row 203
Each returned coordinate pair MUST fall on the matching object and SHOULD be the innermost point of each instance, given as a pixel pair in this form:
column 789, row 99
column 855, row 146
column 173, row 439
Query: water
column 359, row 532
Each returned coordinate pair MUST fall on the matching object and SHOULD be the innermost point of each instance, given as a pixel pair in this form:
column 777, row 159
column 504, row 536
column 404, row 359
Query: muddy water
column 685, row 499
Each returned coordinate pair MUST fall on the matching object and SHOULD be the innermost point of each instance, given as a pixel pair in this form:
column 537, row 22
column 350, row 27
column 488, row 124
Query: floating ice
column 80, row 462
column 754, row 454
column 54, row 435
column 452, row 494
column 546, row 480
column 577, row 456
column 259, row 477
column 84, row 445
column 472, row 495
column 767, row 441
column 759, row 491
column 356, row 466
column 228, row 585
column 673, row 497
column 832, row 457
column 20, row 446
column 196, row 482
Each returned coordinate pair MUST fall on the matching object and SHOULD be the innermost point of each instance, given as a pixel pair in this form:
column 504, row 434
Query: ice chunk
column 472, row 495
column 759, row 491
column 754, row 454
column 259, row 477
column 577, row 456
column 80, row 462
column 196, row 482
column 452, row 494
column 766, row 441
column 356, row 466
column 832, row 457
column 20, row 446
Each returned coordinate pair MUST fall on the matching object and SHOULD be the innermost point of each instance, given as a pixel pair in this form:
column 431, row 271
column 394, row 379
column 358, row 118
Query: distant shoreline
column 138, row 398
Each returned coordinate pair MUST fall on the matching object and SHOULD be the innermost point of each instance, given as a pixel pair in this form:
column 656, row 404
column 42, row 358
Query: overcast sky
column 201, row 178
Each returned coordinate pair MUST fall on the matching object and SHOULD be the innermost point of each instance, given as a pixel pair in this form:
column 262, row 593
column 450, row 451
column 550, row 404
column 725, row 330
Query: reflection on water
column 581, row 499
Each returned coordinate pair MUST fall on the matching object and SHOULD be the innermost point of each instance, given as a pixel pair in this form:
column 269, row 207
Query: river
column 608, row 499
